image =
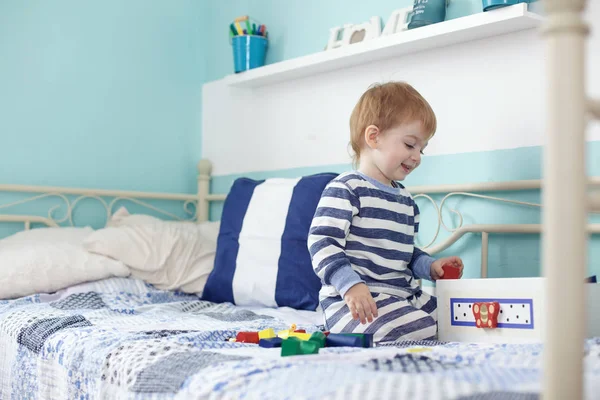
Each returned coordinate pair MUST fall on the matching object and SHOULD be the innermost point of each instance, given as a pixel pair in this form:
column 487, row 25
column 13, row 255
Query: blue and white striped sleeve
column 420, row 263
column 327, row 237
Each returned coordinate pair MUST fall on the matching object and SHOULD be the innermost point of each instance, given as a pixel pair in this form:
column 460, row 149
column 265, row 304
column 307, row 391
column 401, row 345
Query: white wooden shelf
column 460, row 30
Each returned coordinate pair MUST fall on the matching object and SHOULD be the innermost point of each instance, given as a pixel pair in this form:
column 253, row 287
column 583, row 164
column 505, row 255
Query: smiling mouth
column 406, row 168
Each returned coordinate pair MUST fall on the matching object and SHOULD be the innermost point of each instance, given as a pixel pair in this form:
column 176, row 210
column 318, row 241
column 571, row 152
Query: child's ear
column 372, row 136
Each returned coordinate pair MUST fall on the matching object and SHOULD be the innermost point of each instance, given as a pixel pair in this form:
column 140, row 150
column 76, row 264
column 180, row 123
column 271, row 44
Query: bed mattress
column 123, row 339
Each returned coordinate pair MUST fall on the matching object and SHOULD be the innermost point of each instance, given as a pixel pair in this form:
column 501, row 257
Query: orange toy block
column 486, row 314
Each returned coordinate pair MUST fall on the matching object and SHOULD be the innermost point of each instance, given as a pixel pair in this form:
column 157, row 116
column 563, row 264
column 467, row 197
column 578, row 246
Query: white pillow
column 69, row 235
column 30, row 267
column 169, row 255
column 209, row 230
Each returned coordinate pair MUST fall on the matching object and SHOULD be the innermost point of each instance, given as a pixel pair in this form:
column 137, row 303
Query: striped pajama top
column 363, row 231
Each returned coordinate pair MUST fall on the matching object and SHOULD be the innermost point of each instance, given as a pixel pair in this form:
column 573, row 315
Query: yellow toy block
column 266, row 334
column 301, row 336
column 419, row 350
column 287, row 332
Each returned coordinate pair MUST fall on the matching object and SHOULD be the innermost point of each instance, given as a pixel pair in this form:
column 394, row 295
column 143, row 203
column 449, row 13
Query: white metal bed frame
column 197, row 206
column 566, row 200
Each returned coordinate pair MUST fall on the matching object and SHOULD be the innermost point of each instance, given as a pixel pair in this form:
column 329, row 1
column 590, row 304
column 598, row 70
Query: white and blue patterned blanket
column 121, row 339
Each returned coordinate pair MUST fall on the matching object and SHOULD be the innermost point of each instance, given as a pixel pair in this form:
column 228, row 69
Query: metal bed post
column 203, row 206
column 565, row 205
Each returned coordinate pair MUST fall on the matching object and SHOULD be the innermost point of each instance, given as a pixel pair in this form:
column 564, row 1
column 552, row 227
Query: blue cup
column 489, row 5
column 427, row 13
column 249, row 51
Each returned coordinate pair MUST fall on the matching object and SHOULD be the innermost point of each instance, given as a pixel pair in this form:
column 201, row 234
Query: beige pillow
column 169, row 255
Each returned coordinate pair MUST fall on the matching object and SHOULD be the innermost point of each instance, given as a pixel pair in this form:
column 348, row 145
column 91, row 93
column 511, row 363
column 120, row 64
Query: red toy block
column 247, row 337
column 300, row 331
column 486, row 314
column 450, row 272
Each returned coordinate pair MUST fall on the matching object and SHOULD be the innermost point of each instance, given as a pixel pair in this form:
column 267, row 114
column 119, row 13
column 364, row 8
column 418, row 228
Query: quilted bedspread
column 122, row 339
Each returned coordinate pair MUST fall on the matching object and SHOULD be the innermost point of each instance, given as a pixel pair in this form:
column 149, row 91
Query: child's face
column 399, row 149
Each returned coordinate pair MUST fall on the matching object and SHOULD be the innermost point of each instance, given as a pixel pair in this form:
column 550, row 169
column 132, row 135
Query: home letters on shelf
column 355, row 33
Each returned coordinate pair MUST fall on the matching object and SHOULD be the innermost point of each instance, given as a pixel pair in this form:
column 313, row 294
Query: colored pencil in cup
column 240, row 31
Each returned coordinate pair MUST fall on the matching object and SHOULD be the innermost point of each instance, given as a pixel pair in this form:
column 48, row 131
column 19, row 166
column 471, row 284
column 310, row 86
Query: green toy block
column 309, row 347
column 318, row 337
column 294, row 347
column 290, row 347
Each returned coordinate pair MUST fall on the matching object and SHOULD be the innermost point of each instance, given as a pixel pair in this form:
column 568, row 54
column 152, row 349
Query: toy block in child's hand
column 270, row 342
column 486, row 314
column 450, row 271
column 267, row 334
column 341, row 340
column 247, row 337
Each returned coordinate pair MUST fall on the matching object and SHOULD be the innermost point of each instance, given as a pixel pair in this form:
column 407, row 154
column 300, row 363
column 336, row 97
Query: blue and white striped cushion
column 262, row 256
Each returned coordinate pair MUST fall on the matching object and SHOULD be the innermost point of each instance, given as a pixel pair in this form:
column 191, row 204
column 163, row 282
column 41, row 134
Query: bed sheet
column 122, row 339
column 289, row 315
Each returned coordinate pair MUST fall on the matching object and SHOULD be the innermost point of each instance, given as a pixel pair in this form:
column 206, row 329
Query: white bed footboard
column 565, row 198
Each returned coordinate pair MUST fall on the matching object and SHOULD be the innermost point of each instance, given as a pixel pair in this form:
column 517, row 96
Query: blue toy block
column 270, row 343
column 341, row 340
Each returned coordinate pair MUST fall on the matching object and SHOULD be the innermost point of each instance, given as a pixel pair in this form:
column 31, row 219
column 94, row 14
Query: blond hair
column 386, row 106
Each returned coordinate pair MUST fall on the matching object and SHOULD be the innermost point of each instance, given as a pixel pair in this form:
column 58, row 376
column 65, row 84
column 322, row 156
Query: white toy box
column 521, row 318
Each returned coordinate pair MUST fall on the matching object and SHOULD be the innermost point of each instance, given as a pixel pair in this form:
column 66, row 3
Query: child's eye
column 410, row 146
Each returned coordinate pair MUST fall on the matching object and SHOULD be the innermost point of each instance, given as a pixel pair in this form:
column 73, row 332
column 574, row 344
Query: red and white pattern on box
column 486, row 314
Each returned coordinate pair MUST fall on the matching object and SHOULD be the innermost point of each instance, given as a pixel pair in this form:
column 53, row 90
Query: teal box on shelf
column 249, row 51
column 489, row 5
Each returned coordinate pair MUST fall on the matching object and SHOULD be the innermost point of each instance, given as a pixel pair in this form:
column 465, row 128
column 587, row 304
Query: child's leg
column 398, row 319
column 426, row 303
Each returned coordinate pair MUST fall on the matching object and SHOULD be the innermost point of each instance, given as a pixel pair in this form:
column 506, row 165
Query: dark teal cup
column 489, row 5
column 427, row 12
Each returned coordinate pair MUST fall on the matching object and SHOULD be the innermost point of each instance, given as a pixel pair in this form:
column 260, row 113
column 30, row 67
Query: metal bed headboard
column 196, row 207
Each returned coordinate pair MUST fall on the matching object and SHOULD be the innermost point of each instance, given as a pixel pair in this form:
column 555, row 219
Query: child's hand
column 436, row 267
column 361, row 303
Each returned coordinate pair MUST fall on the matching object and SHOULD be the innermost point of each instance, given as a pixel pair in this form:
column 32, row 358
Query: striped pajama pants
column 412, row 318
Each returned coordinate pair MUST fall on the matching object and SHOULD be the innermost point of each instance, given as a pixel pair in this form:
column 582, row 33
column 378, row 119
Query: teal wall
column 300, row 27
column 102, row 94
column 108, row 95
